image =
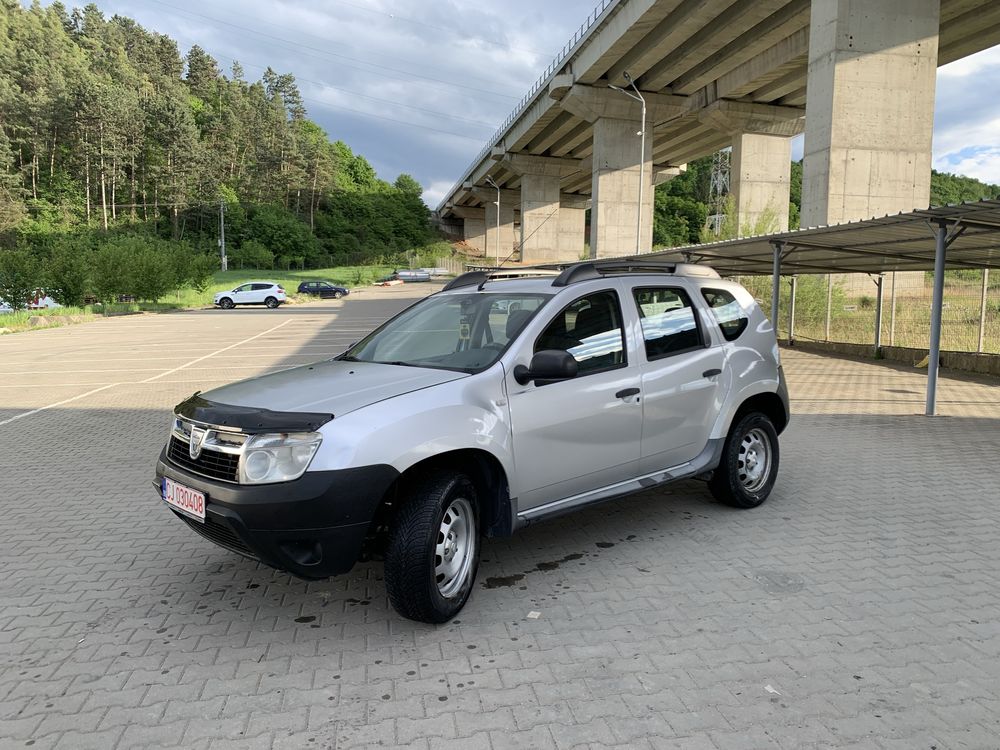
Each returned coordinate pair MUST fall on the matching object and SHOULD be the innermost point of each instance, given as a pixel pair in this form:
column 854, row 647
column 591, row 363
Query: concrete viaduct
column 857, row 76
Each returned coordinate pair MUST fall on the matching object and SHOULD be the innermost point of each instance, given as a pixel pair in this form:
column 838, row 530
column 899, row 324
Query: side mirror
column 548, row 364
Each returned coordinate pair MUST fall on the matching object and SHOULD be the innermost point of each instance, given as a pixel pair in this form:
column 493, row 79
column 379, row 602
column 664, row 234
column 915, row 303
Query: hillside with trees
column 110, row 136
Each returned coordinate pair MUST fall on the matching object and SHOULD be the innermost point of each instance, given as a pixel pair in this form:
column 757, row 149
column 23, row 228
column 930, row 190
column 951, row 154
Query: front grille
column 210, row 463
column 220, row 533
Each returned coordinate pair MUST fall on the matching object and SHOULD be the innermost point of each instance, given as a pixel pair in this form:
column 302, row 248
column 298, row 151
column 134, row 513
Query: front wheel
column 749, row 464
column 337, row 295
column 226, row 304
column 433, row 551
column 271, row 302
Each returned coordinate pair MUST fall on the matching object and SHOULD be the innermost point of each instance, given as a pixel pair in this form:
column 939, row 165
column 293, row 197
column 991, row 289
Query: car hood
column 333, row 387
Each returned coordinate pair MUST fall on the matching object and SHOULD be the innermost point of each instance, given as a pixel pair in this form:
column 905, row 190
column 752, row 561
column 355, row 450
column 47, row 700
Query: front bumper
column 313, row 527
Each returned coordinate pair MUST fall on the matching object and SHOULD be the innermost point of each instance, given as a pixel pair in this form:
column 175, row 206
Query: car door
column 577, row 435
column 242, row 294
column 681, row 369
column 261, row 292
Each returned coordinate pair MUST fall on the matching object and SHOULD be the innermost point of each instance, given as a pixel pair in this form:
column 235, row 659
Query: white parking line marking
column 58, row 403
column 224, row 349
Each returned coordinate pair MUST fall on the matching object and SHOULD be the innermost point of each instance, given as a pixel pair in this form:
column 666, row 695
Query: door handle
column 711, row 373
column 627, row 392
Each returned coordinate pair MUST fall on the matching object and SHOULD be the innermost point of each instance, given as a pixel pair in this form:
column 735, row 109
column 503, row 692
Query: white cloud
column 983, row 164
column 436, row 191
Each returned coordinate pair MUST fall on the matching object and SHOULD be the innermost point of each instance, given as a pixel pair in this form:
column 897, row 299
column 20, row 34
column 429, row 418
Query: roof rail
column 598, row 268
column 469, row 278
column 479, row 278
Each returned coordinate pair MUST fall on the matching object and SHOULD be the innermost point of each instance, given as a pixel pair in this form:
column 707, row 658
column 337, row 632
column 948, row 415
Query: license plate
column 187, row 501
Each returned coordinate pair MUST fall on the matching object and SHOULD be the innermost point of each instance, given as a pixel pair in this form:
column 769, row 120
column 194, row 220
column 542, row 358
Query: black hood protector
column 249, row 419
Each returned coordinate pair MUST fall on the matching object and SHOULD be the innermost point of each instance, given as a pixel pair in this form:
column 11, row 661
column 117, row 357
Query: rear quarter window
column 728, row 312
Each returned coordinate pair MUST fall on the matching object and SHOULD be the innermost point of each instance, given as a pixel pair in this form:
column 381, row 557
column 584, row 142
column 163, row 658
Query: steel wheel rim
column 753, row 465
column 454, row 550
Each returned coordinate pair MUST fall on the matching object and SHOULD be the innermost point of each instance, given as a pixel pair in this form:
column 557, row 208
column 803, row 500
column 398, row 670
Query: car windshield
column 466, row 332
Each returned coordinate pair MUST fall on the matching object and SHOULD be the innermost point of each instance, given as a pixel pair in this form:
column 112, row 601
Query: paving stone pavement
column 857, row 608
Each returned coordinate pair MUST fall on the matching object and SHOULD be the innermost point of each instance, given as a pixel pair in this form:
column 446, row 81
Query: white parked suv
column 468, row 415
column 265, row 293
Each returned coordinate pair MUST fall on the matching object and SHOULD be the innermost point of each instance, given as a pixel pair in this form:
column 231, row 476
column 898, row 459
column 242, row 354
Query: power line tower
column 718, row 190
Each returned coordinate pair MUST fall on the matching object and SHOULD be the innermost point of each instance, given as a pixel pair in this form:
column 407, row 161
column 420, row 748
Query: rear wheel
column 749, row 464
column 226, row 304
column 271, row 302
column 433, row 551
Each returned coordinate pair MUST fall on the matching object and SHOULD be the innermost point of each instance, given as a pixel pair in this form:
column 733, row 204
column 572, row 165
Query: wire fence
column 835, row 309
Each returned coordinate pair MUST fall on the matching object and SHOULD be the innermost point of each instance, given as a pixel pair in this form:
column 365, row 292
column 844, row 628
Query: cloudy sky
column 419, row 86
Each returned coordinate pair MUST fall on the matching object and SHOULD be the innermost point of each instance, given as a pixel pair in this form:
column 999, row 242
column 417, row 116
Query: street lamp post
column 642, row 152
column 491, row 181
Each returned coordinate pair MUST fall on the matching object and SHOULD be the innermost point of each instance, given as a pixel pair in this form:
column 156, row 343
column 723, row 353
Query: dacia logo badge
column 197, row 441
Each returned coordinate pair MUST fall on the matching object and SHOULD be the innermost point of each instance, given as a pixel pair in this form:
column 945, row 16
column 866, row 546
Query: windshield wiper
column 347, row 358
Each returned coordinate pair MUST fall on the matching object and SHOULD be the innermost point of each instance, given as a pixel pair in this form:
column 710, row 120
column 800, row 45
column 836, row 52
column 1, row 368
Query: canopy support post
column 879, row 284
column 892, row 312
column 941, row 247
column 829, row 304
column 793, row 281
column 982, row 311
column 775, row 281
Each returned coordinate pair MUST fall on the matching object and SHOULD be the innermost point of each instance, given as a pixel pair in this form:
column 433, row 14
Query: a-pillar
column 474, row 220
column 870, row 108
column 620, row 223
column 540, row 203
column 761, row 164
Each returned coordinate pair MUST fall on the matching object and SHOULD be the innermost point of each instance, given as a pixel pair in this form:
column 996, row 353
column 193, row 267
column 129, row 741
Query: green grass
column 348, row 276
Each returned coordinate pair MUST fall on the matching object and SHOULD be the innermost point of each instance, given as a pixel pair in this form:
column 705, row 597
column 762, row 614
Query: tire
column 226, row 304
column 337, row 295
column 433, row 552
column 271, row 303
column 749, row 465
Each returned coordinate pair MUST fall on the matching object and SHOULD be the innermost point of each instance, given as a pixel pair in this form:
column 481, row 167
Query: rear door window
column 669, row 322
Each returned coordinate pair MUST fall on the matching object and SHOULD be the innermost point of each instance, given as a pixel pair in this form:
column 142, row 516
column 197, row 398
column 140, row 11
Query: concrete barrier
column 983, row 364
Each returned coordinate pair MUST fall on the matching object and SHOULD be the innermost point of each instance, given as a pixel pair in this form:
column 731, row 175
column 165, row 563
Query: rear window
column 730, row 316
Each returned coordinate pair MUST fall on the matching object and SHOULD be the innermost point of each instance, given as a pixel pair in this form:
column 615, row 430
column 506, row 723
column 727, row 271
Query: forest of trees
column 107, row 130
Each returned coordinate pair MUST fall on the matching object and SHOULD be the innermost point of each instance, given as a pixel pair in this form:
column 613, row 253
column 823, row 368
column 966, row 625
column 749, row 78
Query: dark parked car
column 323, row 289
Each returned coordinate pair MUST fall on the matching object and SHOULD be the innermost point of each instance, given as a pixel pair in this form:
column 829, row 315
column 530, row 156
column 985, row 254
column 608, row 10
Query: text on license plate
column 184, row 498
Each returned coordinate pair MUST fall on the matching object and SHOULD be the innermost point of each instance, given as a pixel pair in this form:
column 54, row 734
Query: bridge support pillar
column 540, row 204
column 870, row 108
column 474, row 220
column 614, row 217
column 760, row 180
column 620, row 223
column 572, row 232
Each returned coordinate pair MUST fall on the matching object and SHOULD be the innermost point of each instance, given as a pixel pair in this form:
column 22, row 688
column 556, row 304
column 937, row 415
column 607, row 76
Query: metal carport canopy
column 960, row 236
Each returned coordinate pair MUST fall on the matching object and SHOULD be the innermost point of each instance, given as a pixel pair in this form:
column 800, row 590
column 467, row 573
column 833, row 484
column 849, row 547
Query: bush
column 112, row 268
column 255, row 254
column 203, row 268
column 19, row 277
column 67, row 273
column 153, row 274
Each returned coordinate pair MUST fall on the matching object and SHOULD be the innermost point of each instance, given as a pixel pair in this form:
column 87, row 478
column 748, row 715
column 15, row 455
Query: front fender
column 470, row 413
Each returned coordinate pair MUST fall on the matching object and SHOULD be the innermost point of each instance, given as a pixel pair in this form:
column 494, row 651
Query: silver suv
column 504, row 399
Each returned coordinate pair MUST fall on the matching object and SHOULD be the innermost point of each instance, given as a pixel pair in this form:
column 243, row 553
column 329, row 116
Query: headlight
column 278, row 457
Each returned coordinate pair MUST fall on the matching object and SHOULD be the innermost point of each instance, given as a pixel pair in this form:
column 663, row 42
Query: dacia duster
column 507, row 398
